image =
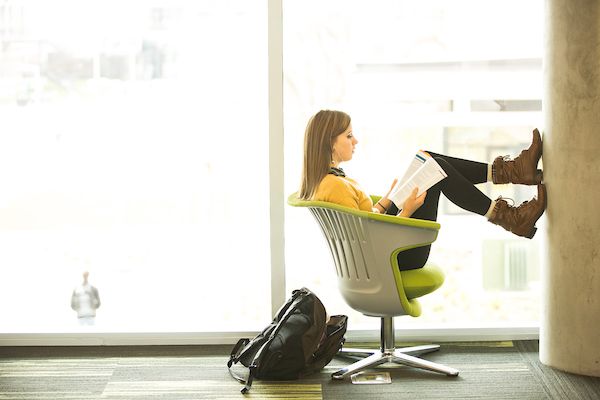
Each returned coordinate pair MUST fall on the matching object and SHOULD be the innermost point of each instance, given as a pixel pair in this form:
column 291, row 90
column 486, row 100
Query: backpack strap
column 250, row 379
column 233, row 358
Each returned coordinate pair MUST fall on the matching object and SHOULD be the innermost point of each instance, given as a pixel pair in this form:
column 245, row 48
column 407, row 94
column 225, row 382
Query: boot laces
column 505, row 199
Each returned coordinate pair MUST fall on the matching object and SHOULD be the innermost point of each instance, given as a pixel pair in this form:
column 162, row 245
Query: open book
column 423, row 172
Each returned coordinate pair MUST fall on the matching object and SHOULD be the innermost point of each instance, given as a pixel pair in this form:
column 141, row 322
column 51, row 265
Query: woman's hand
column 412, row 203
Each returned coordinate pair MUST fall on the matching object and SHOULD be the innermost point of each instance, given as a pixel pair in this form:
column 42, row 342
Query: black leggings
column 458, row 187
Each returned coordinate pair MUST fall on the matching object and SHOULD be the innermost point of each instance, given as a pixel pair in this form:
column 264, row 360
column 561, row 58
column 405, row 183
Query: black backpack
column 299, row 341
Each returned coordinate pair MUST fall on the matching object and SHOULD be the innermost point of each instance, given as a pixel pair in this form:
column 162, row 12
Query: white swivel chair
column 364, row 247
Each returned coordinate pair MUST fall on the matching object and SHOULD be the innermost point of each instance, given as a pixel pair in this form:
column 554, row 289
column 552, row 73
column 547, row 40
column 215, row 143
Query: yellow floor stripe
column 214, row 389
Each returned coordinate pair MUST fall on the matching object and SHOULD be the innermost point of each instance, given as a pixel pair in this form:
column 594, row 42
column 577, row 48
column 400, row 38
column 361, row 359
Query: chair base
column 388, row 353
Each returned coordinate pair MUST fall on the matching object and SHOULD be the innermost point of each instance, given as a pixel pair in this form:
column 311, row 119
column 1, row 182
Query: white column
column 570, row 320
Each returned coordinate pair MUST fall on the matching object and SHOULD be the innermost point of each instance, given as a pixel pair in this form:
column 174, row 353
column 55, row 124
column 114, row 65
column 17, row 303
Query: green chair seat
column 422, row 281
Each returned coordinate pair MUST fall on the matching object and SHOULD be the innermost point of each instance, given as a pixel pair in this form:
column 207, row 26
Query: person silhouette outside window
column 85, row 300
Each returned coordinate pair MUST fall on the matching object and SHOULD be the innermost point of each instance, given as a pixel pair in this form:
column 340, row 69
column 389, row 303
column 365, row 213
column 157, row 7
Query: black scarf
column 337, row 172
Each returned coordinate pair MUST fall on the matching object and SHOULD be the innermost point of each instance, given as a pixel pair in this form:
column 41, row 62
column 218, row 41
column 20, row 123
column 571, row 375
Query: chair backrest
column 364, row 247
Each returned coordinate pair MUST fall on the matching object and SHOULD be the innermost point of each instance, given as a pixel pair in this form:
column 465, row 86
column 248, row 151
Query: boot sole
column 538, row 177
column 542, row 144
column 537, row 132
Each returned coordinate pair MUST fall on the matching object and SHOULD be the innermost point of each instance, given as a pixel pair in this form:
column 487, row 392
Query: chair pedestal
column 388, row 353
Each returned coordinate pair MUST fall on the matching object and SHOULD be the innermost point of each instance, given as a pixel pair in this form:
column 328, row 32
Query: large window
column 461, row 78
column 134, row 145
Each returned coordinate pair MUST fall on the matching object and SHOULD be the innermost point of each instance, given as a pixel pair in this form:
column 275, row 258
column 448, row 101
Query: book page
column 428, row 174
column 415, row 164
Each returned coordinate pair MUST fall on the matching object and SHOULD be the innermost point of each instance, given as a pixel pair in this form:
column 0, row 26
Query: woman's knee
column 443, row 163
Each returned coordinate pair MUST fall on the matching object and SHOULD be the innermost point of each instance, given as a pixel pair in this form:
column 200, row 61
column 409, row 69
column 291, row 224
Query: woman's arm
column 411, row 204
column 384, row 203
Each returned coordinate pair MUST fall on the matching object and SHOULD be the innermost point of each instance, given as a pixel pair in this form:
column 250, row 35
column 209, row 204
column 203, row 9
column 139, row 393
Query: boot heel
column 538, row 176
column 532, row 232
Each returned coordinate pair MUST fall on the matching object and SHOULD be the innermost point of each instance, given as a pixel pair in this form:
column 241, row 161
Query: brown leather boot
column 520, row 220
column 523, row 169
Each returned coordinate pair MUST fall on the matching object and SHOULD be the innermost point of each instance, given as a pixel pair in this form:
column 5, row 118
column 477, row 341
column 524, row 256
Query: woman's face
column 343, row 146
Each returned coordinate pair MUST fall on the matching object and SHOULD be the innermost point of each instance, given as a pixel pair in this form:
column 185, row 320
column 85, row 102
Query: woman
column 329, row 141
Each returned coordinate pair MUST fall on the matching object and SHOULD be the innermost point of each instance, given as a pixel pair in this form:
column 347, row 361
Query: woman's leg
column 474, row 171
column 459, row 190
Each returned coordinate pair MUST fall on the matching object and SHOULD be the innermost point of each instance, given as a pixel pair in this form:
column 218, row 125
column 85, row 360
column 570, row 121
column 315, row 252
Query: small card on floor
column 371, row 378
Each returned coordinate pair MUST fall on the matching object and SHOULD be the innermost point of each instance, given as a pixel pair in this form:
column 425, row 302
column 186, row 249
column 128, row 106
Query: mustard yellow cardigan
column 343, row 191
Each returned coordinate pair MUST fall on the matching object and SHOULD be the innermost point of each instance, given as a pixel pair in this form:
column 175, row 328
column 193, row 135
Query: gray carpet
column 495, row 370
column 558, row 385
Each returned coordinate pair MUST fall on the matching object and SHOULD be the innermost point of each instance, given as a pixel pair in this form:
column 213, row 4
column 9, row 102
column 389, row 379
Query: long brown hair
column 321, row 131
